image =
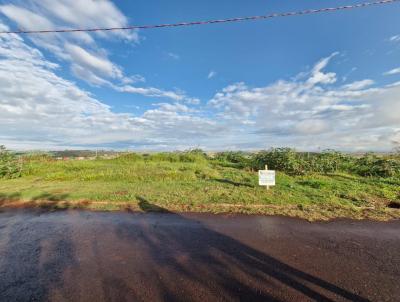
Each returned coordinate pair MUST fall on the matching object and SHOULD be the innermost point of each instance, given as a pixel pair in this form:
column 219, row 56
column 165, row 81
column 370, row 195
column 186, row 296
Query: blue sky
column 313, row 82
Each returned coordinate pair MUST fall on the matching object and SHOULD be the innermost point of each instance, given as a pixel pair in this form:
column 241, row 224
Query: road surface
column 96, row 256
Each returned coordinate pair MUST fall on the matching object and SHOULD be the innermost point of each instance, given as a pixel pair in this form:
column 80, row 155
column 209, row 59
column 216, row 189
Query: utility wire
column 230, row 20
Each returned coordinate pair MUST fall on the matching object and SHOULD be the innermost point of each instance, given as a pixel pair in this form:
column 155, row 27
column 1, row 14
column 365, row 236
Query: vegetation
column 295, row 163
column 9, row 166
column 309, row 185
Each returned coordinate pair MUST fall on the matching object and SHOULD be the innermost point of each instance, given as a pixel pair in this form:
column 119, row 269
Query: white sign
column 266, row 177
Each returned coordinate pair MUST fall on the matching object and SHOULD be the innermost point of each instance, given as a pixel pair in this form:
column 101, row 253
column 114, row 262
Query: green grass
column 193, row 183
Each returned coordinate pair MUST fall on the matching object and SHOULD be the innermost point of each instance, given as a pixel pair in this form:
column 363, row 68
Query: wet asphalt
column 97, row 256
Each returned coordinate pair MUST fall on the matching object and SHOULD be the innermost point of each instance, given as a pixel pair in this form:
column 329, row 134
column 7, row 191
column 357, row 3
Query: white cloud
column 86, row 13
column 309, row 110
column 40, row 109
column 78, row 49
column 211, row 74
column 358, row 85
column 87, row 60
column 173, row 55
column 318, row 77
column 152, row 92
column 26, row 19
column 91, row 67
column 395, row 38
column 393, row 71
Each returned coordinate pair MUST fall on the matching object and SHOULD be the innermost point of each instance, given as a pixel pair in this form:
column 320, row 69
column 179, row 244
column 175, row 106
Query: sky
column 315, row 82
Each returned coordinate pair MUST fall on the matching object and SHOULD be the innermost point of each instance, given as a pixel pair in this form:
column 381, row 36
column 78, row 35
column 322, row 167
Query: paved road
column 86, row 256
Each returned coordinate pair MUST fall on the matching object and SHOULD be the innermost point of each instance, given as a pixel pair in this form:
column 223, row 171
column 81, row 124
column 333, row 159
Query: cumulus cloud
column 39, row 109
column 313, row 110
column 87, row 60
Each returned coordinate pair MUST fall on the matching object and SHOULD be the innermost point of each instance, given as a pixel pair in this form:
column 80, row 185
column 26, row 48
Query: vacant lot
column 196, row 183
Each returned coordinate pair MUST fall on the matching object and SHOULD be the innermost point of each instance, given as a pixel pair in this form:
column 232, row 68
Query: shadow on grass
column 12, row 197
column 50, row 197
column 234, row 183
column 148, row 207
column 366, row 179
column 8, row 198
column 46, row 202
column 315, row 184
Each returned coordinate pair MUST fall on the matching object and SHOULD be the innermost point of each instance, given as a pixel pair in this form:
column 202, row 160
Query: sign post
column 266, row 177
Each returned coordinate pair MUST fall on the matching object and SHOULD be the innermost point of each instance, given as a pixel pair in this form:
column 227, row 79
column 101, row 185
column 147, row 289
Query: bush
column 372, row 165
column 184, row 157
column 329, row 161
column 294, row 163
column 282, row 159
column 129, row 157
column 9, row 166
column 239, row 160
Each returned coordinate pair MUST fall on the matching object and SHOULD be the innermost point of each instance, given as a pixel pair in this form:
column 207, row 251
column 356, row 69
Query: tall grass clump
column 9, row 165
column 192, row 156
column 129, row 157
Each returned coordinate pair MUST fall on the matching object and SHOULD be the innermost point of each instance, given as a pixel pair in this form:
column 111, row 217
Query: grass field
column 196, row 184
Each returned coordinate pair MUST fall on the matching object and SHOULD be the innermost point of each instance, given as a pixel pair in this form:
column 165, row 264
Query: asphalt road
column 87, row 256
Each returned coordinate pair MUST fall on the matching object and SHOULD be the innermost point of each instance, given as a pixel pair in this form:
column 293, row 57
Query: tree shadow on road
column 218, row 265
column 154, row 256
column 33, row 256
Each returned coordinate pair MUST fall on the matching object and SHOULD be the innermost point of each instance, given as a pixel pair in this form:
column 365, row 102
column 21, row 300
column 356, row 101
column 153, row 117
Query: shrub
column 328, row 161
column 185, row 157
column 282, row 159
column 9, row 166
column 372, row 165
column 129, row 157
column 239, row 160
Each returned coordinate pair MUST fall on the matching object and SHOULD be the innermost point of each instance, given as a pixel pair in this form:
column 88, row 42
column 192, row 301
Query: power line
column 230, row 20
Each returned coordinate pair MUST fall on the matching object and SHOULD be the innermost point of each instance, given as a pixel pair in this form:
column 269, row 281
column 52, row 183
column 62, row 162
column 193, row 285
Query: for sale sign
column 266, row 177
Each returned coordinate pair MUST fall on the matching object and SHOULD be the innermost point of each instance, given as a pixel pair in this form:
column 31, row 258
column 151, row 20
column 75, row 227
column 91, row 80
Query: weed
column 314, row 186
